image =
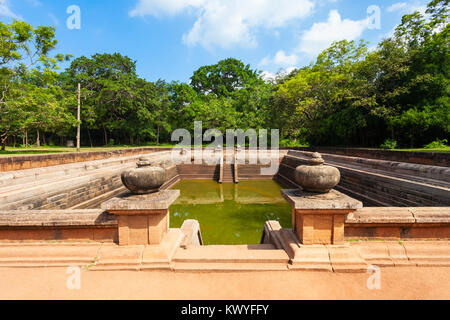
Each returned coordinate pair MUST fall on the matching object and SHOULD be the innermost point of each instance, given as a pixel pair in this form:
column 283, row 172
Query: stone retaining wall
column 414, row 223
column 427, row 158
column 14, row 163
column 380, row 183
column 76, row 185
column 57, row 225
column 398, row 223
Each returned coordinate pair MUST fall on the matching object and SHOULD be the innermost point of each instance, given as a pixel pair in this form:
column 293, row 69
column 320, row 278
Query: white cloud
column 159, row 8
column 271, row 77
column 406, row 8
column 54, row 19
column 35, row 3
column 225, row 23
column 397, row 7
column 323, row 34
column 281, row 59
column 5, row 11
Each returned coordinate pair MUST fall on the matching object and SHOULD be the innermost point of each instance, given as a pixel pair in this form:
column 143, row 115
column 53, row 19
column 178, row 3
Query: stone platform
column 142, row 219
column 355, row 257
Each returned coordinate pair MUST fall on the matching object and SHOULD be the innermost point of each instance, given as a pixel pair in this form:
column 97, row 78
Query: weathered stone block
column 143, row 219
column 319, row 218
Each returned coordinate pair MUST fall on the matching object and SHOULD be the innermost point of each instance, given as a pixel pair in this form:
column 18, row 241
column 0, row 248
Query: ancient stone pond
column 230, row 213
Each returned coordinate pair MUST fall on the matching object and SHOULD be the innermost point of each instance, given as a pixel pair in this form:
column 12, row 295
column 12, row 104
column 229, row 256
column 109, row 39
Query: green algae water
column 230, row 213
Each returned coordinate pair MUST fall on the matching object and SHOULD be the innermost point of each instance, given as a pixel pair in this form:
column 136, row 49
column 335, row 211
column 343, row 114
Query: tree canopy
column 349, row 96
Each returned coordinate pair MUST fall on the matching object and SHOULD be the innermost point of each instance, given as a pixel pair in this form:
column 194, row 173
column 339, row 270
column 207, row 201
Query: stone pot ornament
column 317, row 177
column 145, row 178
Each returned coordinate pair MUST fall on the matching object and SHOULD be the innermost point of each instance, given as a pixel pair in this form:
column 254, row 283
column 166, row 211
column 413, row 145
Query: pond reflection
column 230, row 213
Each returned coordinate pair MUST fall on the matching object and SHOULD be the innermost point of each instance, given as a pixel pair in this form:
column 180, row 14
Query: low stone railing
column 13, row 163
column 58, row 225
column 415, row 223
column 427, row 158
column 73, row 226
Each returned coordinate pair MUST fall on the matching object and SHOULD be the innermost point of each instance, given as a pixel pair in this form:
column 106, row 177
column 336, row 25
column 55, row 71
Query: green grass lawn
column 439, row 150
column 58, row 149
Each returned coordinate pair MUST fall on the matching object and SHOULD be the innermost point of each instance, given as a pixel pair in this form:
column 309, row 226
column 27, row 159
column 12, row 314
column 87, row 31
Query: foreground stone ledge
column 319, row 218
column 135, row 204
column 13, row 163
column 56, row 218
column 143, row 219
column 385, row 223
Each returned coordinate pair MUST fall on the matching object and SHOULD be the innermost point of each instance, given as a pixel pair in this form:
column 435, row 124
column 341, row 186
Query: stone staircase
column 228, row 175
column 64, row 186
column 379, row 182
column 230, row 258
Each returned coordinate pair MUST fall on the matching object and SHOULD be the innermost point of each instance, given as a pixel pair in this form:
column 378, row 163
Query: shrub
column 292, row 143
column 437, row 144
column 111, row 143
column 389, row 144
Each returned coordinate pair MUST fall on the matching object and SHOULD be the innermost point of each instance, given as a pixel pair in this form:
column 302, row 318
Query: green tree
column 223, row 78
column 25, row 66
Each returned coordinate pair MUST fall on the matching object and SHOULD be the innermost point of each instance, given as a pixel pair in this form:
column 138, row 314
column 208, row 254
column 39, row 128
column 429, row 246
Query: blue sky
column 172, row 38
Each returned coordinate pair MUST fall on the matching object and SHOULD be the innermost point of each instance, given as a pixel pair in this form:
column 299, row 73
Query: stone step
column 29, row 175
column 27, row 256
column 231, row 254
column 18, row 180
column 63, row 188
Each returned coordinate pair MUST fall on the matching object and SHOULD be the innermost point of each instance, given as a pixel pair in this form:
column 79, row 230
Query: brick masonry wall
column 427, row 158
column 14, row 163
column 376, row 189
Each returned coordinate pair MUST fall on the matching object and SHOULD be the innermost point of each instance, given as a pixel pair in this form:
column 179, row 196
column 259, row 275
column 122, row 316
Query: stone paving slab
column 355, row 257
column 160, row 257
column 391, row 215
column 431, row 215
column 313, row 258
column 113, row 257
column 398, row 254
column 130, row 202
column 316, row 201
column 346, row 259
column 375, row 253
column 425, row 254
column 22, row 256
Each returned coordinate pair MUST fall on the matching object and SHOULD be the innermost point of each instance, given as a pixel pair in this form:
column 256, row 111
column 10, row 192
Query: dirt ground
column 51, row 283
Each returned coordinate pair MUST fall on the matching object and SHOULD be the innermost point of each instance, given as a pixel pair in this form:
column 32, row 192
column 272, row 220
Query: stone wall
column 427, row 158
column 14, row 163
column 70, row 186
column 57, row 225
column 378, row 182
column 413, row 223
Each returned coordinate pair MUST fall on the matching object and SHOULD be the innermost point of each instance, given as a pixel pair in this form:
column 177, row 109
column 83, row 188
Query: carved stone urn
column 316, row 177
column 145, row 178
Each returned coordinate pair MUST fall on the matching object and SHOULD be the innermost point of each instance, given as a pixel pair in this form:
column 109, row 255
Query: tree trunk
column 89, row 135
column 157, row 137
column 138, row 140
column 43, row 139
column 26, row 138
column 14, row 141
column 38, row 141
column 4, row 137
column 106, row 136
